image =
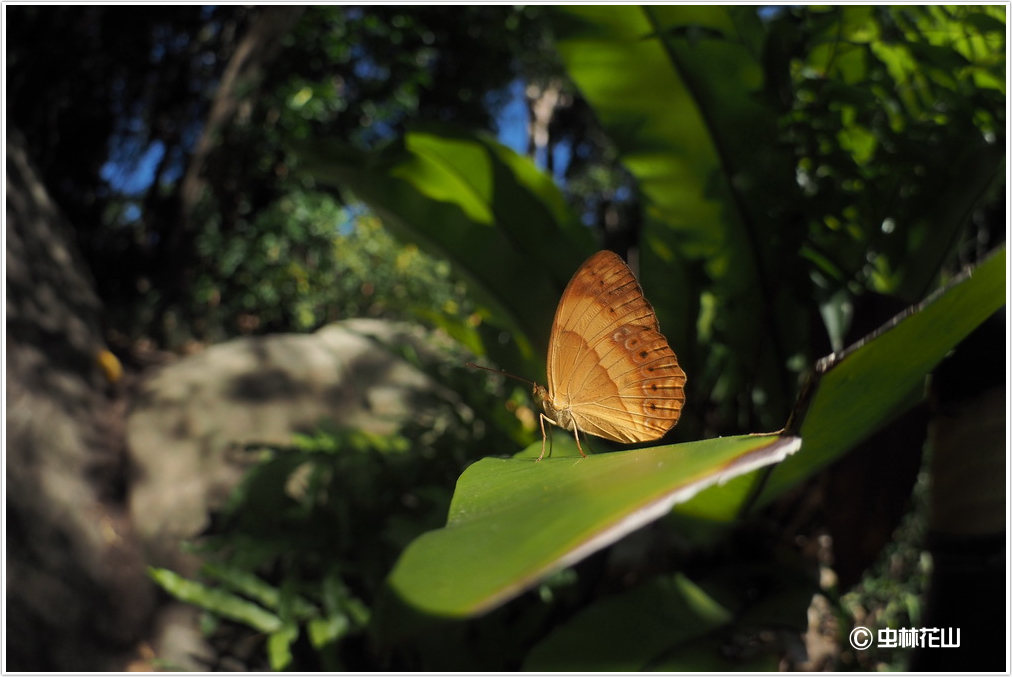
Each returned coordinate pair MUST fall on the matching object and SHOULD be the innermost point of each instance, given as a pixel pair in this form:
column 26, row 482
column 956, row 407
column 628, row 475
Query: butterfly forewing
column 608, row 364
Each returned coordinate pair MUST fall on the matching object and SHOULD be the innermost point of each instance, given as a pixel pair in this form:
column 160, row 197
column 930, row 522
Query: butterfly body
column 611, row 373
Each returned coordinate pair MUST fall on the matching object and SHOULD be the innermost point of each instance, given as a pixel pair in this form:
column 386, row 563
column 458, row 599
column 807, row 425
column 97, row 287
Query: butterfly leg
column 576, row 436
column 544, row 435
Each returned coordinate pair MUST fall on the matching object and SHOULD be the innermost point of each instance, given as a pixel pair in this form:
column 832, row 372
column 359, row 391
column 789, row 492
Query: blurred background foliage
column 801, row 175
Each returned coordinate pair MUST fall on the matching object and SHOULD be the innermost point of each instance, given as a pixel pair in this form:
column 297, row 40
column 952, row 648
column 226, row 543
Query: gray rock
column 194, row 417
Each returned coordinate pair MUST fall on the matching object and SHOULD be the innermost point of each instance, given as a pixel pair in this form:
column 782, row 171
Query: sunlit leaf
column 501, row 223
column 514, row 521
column 870, row 383
column 216, row 600
column 279, row 647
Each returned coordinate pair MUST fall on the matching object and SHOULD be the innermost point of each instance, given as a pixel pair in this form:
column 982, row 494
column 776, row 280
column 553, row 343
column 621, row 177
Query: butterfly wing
column 609, row 366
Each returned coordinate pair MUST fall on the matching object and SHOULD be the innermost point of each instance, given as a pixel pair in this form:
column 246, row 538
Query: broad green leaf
column 657, row 615
column 878, row 378
column 514, row 521
column 501, row 223
column 662, row 621
column 862, row 388
column 680, row 92
column 216, row 601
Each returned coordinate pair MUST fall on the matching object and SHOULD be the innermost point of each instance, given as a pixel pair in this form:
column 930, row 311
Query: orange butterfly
column 610, row 371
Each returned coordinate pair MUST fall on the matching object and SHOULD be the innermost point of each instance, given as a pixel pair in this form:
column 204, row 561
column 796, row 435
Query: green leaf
column 502, row 224
column 680, row 92
column 514, row 521
column 657, row 615
column 881, row 376
column 860, row 389
column 216, row 601
column 324, row 631
column 279, row 647
column 663, row 619
column 254, row 587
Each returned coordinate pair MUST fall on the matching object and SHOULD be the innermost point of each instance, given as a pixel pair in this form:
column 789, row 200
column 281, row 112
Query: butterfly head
column 558, row 414
column 540, row 393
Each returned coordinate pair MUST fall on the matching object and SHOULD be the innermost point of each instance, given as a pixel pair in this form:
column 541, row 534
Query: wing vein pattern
column 609, row 367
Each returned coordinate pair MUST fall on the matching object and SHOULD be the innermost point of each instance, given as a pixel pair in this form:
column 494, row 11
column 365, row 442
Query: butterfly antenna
column 501, row 372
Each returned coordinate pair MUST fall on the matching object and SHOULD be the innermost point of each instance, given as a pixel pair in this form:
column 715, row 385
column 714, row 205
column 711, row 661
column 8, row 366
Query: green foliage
column 512, row 521
column 854, row 393
column 364, row 72
column 715, row 223
column 336, row 75
column 715, row 115
column 135, row 90
column 305, row 260
column 472, row 200
column 663, row 611
column 325, row 519
column 788, row 166
column 333, row 510
column 897, row 123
